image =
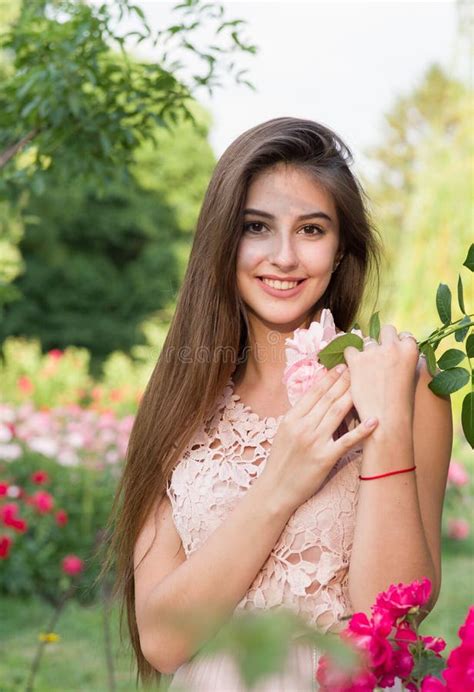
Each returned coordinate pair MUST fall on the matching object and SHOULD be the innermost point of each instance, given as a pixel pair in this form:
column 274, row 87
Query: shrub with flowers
column 61, row 378
column 50, row 516
column 458, row 501
column 390, row 648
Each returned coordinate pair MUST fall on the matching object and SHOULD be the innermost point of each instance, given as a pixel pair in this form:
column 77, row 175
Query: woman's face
column 290, row 231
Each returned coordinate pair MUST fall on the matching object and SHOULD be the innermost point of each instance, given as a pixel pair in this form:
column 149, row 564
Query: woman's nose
column 283, row 251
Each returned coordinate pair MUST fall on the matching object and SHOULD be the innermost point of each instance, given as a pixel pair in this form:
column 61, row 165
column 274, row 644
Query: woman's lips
column 282, row 293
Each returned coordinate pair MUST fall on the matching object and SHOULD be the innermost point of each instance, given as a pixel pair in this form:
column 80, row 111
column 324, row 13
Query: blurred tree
column 72, row 92
column 430, row 122
column 95, row 267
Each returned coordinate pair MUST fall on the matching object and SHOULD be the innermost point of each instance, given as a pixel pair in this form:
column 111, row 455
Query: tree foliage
column 75, row 90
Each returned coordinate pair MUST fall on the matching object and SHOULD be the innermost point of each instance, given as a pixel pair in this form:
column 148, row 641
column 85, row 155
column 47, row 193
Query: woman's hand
column 303, row 449
column 383, row 378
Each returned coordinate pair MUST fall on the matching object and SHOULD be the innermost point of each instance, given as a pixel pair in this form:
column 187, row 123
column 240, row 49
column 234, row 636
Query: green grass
column 77, row 661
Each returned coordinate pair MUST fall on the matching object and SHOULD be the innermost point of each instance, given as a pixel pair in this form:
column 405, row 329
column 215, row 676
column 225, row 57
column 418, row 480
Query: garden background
column 105, row 159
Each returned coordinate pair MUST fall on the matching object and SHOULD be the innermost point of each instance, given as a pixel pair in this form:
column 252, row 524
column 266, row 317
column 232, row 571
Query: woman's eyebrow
column 303, row 217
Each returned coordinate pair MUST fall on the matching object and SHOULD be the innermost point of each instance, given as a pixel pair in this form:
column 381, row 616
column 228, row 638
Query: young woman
column 232, row 499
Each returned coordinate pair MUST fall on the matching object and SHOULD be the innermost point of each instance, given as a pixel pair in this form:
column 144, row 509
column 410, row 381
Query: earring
column 337, row 264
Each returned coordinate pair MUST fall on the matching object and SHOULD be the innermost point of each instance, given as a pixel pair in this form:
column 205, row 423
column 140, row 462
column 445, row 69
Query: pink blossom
column 459, row 673
column 371, row 636
column 72, row 565
column 3, row 489
column 432, row 684
column 43, row 501
column 25, row 385
column 61, row 517
column 331, row 679
column 402, row 599
column 55, row 354
column 458, row 529
column 39, row 477
column 5, row 544
column 457, row 474
column 8, row 513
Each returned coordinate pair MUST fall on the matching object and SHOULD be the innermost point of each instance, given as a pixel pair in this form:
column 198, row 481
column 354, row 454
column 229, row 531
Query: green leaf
column 460, row 334
column 429, row 351
column 333, row 353
column 449, row 381
column 443, row 303
column 428, row 664
column 451, row 358
column 374, row 326
column 461, row 295
column 469, row 261
column 467, row 417
column 470, row 346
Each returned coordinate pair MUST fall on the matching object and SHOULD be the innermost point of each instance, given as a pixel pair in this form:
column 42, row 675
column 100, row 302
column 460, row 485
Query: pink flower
column 436, row 644
column 5, row 544
column 25, row 385
column 302, row 355
column 371, row 636
column 55, row 354
column 400, row 600
column 72, row 565
column 330, row 679
column 458, row 529
column 3, row 489
column 8, row 513
column 457, row 474
column 42, row 501
column 459, row 673
column 432, row 684
column 39, row 477
column 61, row 517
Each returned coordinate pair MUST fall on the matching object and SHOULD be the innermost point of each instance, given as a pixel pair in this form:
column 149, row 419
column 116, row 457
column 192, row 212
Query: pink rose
column 61, row 517
column 400, row 600
column 39, row 477
column 43, row 501
column 457, row 474
column 5, row 545
column 302, row 365
column 331, row 679
column 459, row 673
column 8, row 513
column 432, row 684
column 458, row 529
column 72, row 565
column 3, row 489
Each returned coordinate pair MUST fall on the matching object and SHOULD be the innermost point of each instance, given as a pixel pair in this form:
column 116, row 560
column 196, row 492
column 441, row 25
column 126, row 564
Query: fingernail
column 370, row 422
column 341, row 367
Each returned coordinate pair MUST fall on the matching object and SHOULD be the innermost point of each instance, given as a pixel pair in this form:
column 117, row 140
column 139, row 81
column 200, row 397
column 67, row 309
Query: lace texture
column 307, row 569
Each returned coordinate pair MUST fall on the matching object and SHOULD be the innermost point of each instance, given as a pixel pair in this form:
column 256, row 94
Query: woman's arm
column 213, row 580
column 398, row 524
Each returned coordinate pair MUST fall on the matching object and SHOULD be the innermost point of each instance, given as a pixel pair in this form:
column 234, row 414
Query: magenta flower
column 72, row 565
column 458, row 529
column 39, row 477
column 459, row 673
column 457, row 474
column 5, row 544
column 43, row 501
column 403, row 599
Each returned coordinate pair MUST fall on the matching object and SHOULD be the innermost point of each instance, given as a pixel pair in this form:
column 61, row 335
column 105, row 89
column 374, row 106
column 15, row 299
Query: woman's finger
column 344, row 444
column 335, row 415
column 316, row 391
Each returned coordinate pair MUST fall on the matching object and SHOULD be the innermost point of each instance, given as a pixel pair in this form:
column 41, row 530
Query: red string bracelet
column 390, row 473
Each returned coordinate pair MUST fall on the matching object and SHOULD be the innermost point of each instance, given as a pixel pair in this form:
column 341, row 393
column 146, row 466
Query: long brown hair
column 209, row 331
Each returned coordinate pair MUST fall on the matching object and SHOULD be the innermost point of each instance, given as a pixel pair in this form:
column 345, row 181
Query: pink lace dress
column 307, row 569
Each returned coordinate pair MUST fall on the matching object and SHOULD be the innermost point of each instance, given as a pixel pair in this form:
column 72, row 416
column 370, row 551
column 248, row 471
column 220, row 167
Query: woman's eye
column 251, row 226
column 319, row 231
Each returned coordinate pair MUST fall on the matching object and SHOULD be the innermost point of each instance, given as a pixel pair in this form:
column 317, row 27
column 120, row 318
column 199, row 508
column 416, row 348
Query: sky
column 342, row 63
